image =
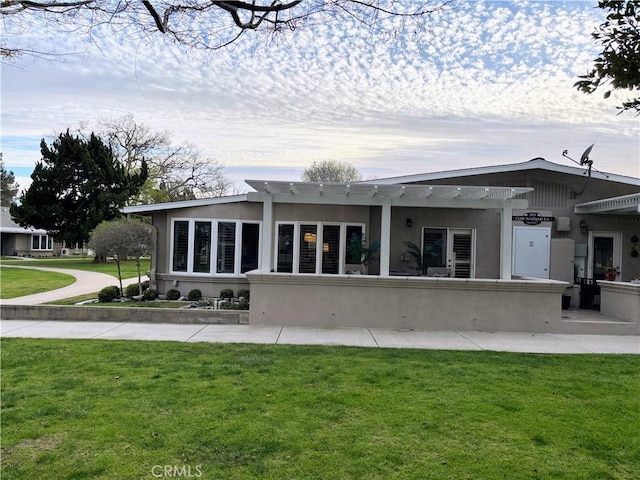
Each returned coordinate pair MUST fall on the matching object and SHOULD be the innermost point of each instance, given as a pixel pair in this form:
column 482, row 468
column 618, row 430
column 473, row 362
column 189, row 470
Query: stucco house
column 503, row 245
column 24, row 242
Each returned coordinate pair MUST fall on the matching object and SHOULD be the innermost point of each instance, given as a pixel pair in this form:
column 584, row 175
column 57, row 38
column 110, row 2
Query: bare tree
column 175, row 172
column 120, row 239
column 331, row 171
column 140, row 238
column 108, row 240
column 206, row 24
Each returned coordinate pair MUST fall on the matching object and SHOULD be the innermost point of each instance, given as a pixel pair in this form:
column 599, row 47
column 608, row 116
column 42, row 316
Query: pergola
column 623, row 205
column 386, row 197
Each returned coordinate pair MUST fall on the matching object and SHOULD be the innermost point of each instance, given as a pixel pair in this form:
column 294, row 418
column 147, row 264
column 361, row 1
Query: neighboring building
column 534, row 219
column 23, row 242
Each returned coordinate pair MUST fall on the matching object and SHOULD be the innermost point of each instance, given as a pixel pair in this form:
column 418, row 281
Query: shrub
column 243, row 294
column 145, row 285
column 226, row 305
column 131, row 290
column 226, row 293
column 173, row 294
column 194, row 295
column 108, row 294
column 243, row 304
column 149, row 294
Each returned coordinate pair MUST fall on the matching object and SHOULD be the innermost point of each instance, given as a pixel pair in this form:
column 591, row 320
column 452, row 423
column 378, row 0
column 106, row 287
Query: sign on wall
column 532, row 218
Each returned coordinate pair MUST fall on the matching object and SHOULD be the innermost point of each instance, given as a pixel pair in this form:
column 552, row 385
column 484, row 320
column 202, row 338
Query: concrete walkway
column 89, row 282
column 361, row 337
column 86, row 282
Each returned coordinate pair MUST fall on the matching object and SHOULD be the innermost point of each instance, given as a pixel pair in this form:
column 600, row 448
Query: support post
column 385, row 239
column 506, row 240
column 267, row 233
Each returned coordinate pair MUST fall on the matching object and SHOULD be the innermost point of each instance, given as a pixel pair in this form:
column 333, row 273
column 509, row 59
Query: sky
column 479, row 83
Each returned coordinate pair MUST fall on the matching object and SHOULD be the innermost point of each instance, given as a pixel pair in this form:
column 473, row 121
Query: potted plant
column 359, row 255
column 634, row 245
column 610, row 273
column 420, row 260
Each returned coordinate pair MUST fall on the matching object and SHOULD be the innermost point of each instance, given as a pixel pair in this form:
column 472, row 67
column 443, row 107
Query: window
column 41, row 242
column 435, row 247
column 236, row 249
column 226, row 247
column 308, row 246
column 250, row 247
column 284, row 262
column 180, row 245
column 202, row 247
column 449, row 248
column 353, row 245
column 331, row 249
column 317, row 247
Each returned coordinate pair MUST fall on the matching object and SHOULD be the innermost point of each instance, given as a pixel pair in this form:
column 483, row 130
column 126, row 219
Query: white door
column 604, row 251
column 460, row 254
column 531, row 250
column 450, row 248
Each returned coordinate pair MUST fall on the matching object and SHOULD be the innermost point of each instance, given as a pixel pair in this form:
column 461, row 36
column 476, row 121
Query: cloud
column 482, row 83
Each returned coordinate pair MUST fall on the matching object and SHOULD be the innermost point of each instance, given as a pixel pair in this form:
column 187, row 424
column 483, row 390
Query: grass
column 16, row 282
column 133, row 304
column 76, row 409
column 128, row 267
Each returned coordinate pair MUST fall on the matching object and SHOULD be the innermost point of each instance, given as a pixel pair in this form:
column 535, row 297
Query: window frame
column 213, row 254
column 449, row 233
column 48, row 243
column 319, row 244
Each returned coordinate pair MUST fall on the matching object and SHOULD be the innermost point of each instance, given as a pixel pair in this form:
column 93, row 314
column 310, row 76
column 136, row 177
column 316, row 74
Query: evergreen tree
column 77, row 185
column 9, row 187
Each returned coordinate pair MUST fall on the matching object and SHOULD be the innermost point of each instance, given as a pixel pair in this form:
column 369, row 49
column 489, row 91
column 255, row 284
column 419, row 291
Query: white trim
column 22, row 231
column 617, row 250
column 295, row 263
column 385, row 239
column 506, row 240
column 435, row 196
column 199, row 202
column 213, row 244
column 48, row 241
column 535, row 164
column 448, row 248
column 622, row 204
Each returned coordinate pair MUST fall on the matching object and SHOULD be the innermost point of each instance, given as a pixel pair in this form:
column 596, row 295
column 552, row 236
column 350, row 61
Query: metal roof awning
column 371, row 194
column 624, row 205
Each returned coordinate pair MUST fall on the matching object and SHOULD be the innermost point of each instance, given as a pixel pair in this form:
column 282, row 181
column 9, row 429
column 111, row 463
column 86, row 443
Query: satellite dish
column 584, row 159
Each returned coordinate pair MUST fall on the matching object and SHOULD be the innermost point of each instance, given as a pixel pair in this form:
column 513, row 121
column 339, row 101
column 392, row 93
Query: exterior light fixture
column 584, row 228
column 409, row 222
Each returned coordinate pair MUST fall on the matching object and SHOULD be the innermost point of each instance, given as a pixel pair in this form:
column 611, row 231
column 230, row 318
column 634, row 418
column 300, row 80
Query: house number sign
column 532, row 218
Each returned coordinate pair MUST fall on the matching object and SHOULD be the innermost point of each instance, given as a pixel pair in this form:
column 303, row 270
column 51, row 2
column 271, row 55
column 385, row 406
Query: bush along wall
column 226, row 301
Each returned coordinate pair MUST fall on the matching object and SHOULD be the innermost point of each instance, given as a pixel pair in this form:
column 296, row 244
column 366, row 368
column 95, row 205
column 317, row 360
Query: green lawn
column 17, row 282
column 128, row 267
column 27, row 282
column 76, row 409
